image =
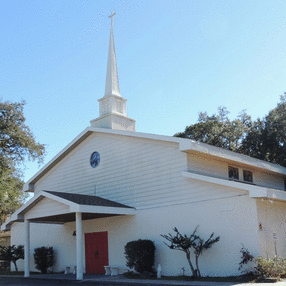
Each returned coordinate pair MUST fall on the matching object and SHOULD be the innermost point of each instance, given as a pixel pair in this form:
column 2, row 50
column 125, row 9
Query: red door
column 96, row 252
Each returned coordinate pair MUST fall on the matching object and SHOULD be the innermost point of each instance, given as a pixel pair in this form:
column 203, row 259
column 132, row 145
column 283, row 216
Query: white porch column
column 79, row 246
column 27, row 248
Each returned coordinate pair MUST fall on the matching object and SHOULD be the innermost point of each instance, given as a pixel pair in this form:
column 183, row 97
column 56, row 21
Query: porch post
column 79, row 247
column 27, row 248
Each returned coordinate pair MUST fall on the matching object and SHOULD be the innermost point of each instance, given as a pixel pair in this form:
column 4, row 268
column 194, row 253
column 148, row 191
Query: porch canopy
column 60, row 208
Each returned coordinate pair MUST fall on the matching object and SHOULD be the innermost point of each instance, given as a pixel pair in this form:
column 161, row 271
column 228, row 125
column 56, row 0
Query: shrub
column 270, row 267
column 131, row 275
column 246, row 257
column 44, row 258
column 140, row 254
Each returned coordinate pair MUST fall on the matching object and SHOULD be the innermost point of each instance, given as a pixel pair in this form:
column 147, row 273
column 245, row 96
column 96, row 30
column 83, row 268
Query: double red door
column 96, row 252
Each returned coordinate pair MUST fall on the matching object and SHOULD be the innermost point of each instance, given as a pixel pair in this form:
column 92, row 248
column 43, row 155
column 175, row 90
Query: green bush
column 140, row 254
column 270, row 267
column 44, row 258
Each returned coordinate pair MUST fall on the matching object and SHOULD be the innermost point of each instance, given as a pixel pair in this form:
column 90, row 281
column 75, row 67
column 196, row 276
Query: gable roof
column 29, row 185
column 90, row 207
column 184, row 145
column 87, row 200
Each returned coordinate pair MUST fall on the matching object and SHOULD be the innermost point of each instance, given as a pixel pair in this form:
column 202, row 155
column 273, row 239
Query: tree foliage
column 12, row 254
column 11, row 195
column 17, row 144
column 263, row 139
column 188, row 244
column 16, row 139
column 266, row 139
column 218, row 129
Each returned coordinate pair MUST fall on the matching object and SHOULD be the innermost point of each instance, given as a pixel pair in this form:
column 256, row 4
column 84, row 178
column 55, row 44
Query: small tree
column 140, row 254
column 12, row 254
column 44, row 258
column 185, row 243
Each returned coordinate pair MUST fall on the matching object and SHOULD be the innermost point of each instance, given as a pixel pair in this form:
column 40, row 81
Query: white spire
column 112, row 107
column 111, row 84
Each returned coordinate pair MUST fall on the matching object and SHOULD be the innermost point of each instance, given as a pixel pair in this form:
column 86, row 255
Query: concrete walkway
column 120, row 280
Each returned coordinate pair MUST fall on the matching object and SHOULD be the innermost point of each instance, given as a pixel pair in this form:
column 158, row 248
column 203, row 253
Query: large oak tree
column 219, row 130
column 263, row 139
column 17, row 144
column 266, row 140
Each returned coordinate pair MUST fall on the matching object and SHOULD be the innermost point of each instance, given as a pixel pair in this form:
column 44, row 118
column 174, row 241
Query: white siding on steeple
column 112, row 107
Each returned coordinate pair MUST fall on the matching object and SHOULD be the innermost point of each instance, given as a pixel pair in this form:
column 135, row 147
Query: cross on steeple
column 112, row 84
column 111, row 16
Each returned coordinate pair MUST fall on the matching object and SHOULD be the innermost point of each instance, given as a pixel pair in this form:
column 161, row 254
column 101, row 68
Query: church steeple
column 111, row 84
column 112, row 107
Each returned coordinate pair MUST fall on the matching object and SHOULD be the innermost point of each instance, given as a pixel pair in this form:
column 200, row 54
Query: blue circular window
column 94, row 159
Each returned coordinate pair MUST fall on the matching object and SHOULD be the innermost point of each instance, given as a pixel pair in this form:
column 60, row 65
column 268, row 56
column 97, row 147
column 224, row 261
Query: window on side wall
column 247, row 176
column 233, row 173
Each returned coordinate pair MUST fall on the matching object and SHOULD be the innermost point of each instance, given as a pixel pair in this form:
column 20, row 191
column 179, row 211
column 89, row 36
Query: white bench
column 70, row 269
column 111, row 270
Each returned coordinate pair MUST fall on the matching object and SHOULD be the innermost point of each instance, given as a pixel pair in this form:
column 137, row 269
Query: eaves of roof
column 87, row 205
column 185, row 145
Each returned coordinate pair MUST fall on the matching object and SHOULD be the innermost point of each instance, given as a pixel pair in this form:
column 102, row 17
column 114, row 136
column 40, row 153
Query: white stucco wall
column 147, row 174
column 41, row 235
column 234, row 219
column 272, row 236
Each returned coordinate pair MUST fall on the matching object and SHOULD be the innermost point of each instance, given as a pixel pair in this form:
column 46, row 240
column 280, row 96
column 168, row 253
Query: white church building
column 112, row 185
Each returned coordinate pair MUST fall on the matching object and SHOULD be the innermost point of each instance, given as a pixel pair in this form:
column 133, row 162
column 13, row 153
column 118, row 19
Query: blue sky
column 175, row 59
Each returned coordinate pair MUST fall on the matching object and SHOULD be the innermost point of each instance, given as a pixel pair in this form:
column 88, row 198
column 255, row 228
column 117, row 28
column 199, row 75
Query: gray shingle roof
column 87, row 200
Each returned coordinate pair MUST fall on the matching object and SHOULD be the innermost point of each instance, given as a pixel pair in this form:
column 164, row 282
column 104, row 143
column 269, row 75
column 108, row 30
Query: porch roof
column 87, row 200
column 59, row 207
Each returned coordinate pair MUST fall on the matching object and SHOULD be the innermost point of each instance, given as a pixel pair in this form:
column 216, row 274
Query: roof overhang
column 253, row 190
column 191, row 146
column 66, row 209
column 29, row 185
column 185, row 145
